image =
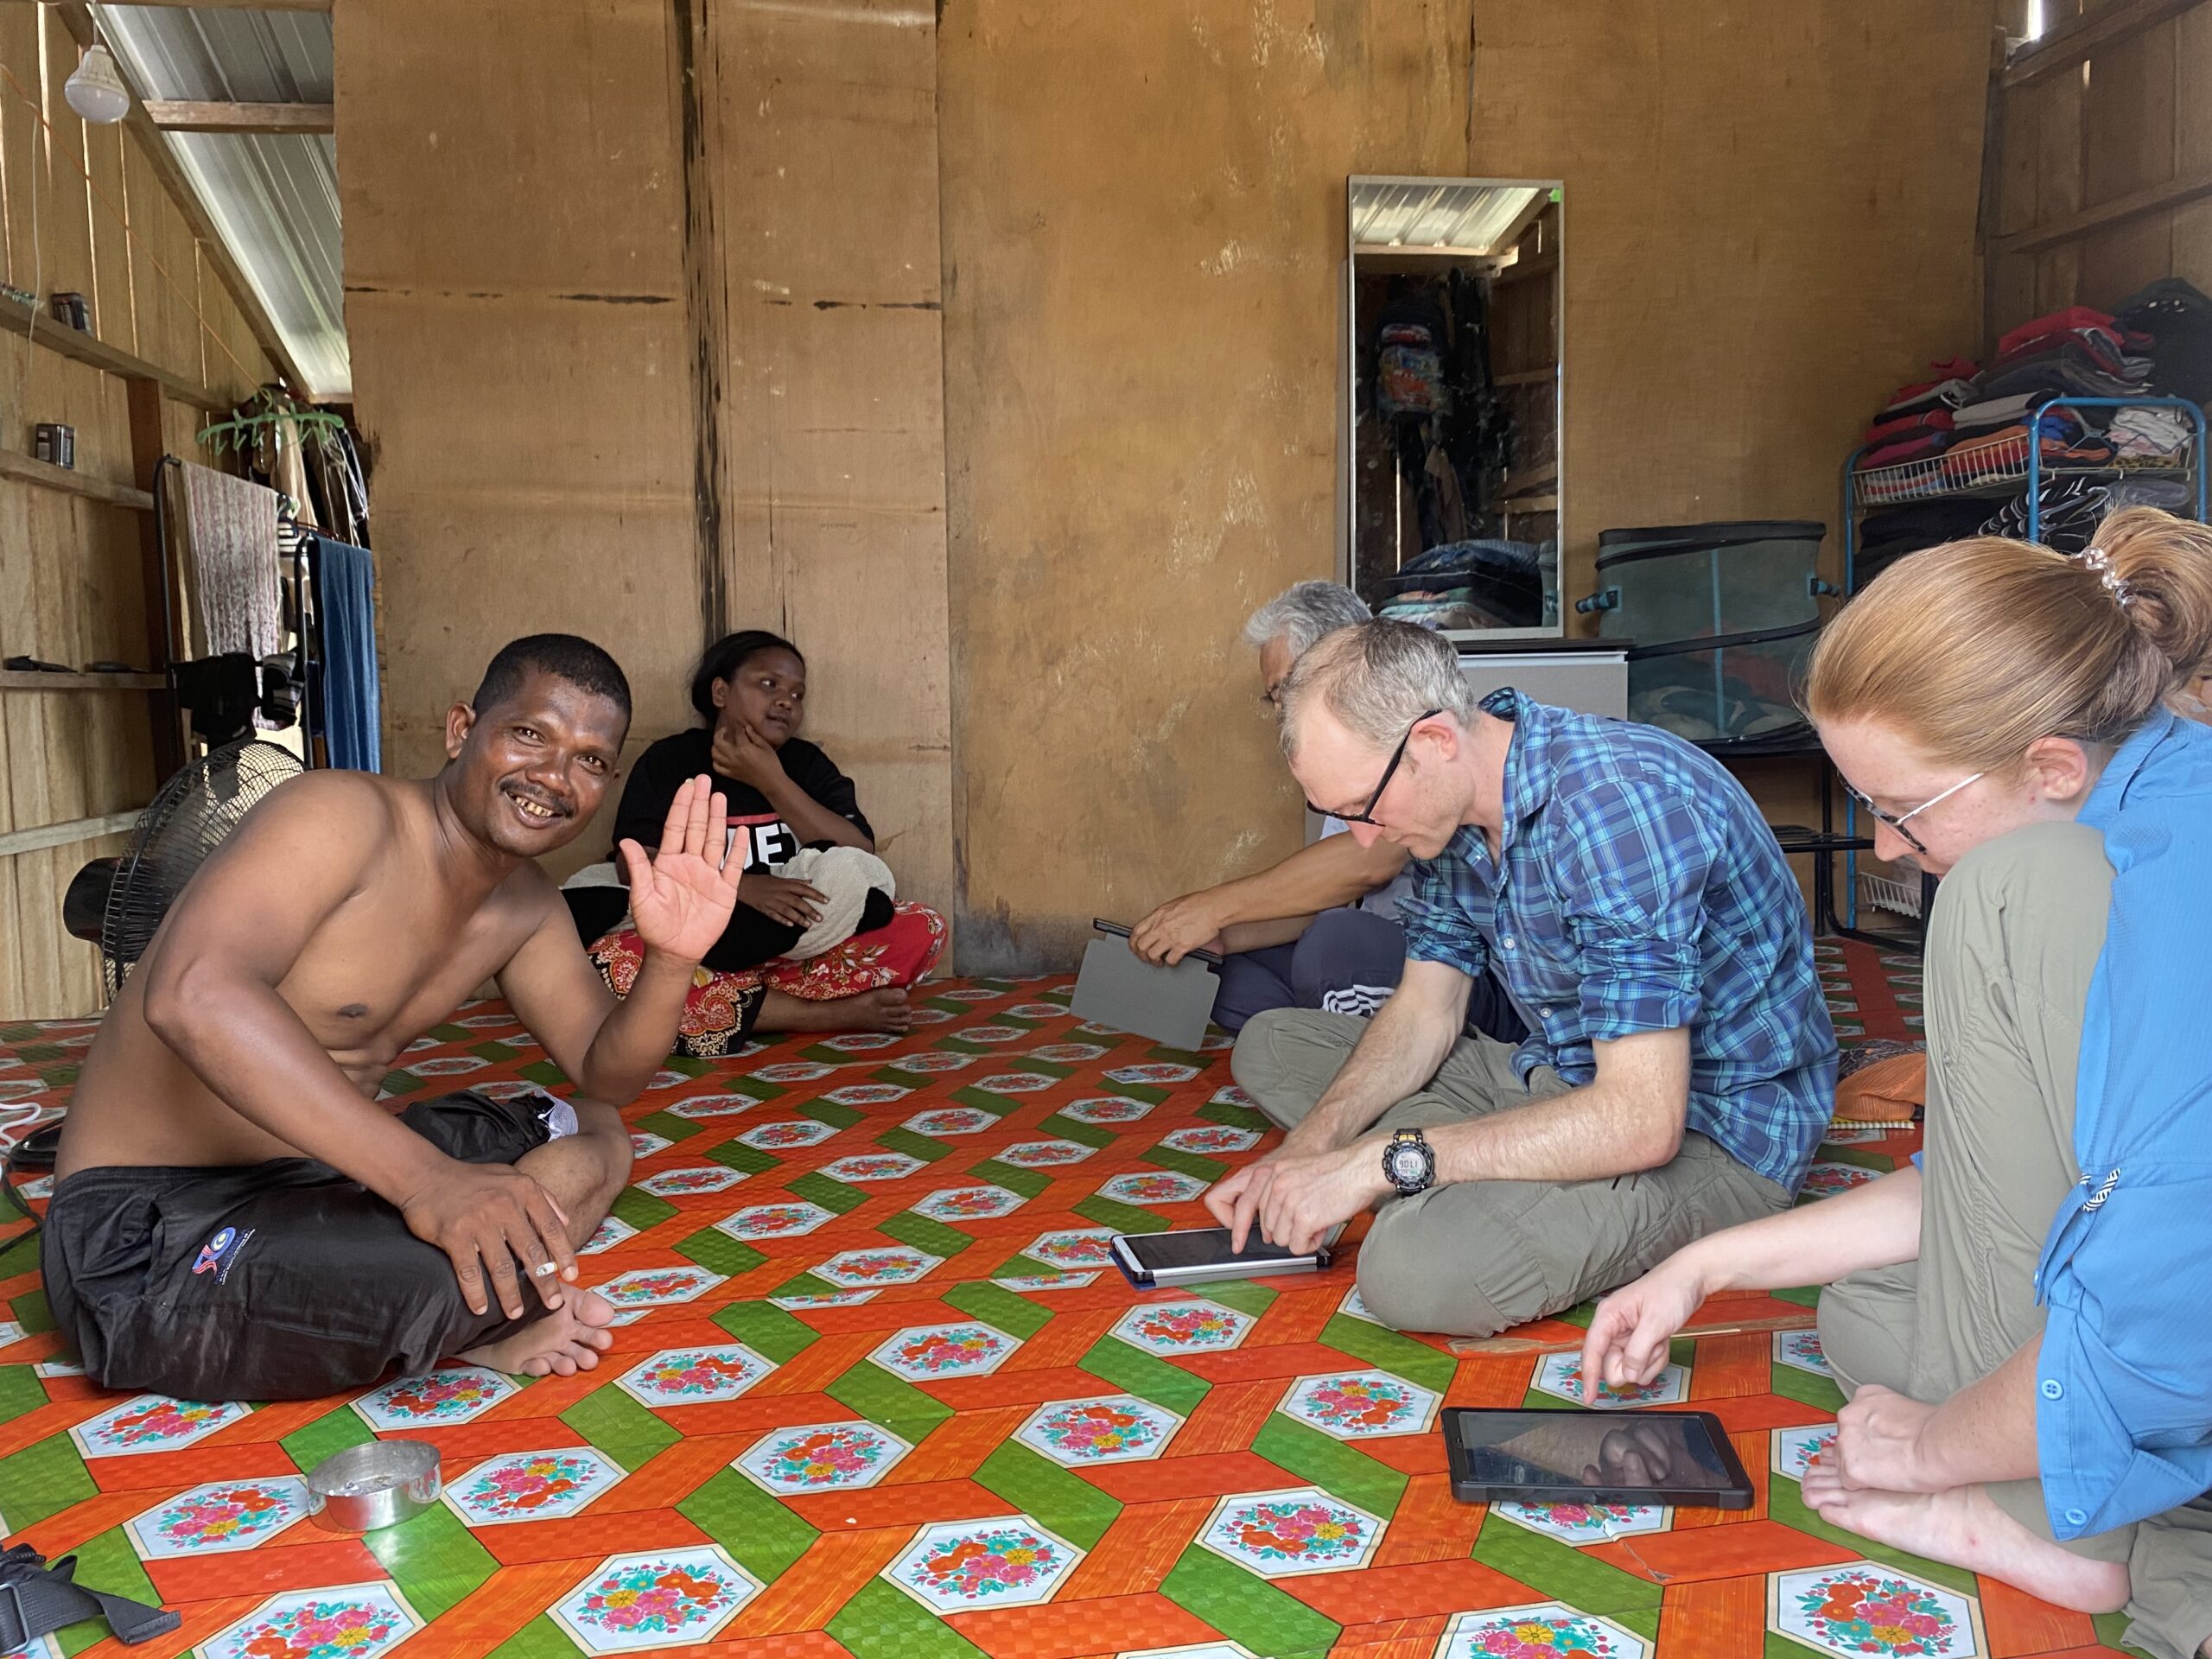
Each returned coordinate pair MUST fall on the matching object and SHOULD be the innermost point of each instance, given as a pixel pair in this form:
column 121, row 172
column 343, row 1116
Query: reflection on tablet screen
column 1560, row 1448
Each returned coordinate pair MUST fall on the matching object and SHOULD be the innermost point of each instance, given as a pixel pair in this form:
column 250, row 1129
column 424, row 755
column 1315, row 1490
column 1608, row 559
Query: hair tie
column 2100, row 561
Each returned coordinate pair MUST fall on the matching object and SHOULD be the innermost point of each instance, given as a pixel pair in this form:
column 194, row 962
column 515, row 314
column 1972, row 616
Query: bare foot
column 883, row 1010
column 1963, row 1527
column 568, row 1340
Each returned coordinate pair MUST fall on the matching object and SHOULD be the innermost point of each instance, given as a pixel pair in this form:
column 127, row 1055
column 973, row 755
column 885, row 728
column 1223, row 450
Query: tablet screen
column 1203, row 1246
column 1600, row 1449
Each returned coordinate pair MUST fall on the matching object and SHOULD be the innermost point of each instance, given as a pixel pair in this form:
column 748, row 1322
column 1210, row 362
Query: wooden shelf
column 1527, row 271
column 1542, row 376
column 1521, row 483
column 31, row 470
column 1530, row 503
column 59, row 336
column 16, row 679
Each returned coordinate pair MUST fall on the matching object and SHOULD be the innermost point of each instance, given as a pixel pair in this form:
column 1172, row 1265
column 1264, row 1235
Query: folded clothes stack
column 2151, row 435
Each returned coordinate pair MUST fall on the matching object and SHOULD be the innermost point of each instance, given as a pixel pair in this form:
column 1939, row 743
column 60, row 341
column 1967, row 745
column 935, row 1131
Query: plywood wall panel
column 1144, row 236
column 71, row 588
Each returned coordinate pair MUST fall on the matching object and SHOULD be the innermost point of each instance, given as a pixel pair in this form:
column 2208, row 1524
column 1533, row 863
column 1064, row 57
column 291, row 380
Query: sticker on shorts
column 220, row 1254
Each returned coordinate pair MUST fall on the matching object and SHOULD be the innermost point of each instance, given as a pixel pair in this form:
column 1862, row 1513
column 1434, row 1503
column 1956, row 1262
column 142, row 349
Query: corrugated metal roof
column 1472, row 216
column 273, row 196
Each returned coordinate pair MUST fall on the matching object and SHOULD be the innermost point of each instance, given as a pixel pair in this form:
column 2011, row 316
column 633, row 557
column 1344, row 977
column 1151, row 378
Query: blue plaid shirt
column 1638, row 889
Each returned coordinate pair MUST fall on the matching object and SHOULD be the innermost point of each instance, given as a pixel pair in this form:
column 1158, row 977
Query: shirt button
column 1507, row 941
column 2052, row 1388
column 2077, row 1517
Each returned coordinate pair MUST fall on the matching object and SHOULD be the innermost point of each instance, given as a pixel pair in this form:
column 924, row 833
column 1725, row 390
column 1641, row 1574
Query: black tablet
column 1681, row 1458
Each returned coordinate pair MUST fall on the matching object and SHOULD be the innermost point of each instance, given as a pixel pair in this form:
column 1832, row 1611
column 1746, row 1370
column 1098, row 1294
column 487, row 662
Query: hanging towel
column 345, row 600
column 230, row 526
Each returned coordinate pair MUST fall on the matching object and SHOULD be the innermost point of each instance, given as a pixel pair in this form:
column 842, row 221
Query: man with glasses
column 1679, row 1067
column 1319, row 930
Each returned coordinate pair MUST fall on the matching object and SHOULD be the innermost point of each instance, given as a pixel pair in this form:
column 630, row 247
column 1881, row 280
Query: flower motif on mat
column 989, row 1033
column 1118, row 1428
column 857, row 1269
column 1548, row 1630
column 655, row 1598
column 1106, row 1109
column 1014, row 1082
column 1194, row 1326
column 952, row 1120
column 699, row 1106
column 925, row 1353
column 1796, row 1450
column 1801, row 1350
column 1044, row 1155
column 688, row 1377
column 872, row 1166
column 788, row 1220
column 531, row 1486
column 1155, row 1072
column 1587, row 1523
column 153, row 1422
column 453, row 1393
column 1067, row 1053
column 1078, row 1247
column 792, row 1071
column 961, row 1564
column 681, row 1183
column 1212, row 1138
column 1358, row 1405
column 935, row 1059
column 1301, row 1530
column 823, row 1456
column 969, row 1203
column 868, row 1094
column 1865, row 1609
column 1153, row 1186
column 354, row 1621
column 1825, row 1179
column 657, row 1286
column 644, row 1143
column 792, row 1131
column 1560, row 1374
column 222, row 1516
column 609, row 1233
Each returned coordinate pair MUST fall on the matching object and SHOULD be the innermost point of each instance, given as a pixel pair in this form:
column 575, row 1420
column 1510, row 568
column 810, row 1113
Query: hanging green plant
column 265, row 410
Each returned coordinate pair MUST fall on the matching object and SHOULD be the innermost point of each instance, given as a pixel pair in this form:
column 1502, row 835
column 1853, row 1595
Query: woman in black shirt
column 783, row 794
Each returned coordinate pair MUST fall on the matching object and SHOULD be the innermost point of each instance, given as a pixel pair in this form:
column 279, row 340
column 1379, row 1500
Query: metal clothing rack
column 1996, row 473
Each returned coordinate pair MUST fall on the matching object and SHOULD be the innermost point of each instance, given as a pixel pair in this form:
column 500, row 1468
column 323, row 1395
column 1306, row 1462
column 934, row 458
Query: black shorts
column 283, row 1280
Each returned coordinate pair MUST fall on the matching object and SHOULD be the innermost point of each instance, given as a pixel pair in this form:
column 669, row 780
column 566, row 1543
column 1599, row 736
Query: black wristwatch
column 1409, row 1163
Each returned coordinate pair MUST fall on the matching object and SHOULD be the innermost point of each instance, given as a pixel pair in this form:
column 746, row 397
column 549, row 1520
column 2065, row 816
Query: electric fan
column 194, row 812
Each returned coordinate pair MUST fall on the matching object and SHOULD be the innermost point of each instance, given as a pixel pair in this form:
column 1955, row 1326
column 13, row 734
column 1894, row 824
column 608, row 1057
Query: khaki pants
column 2017, row 931
column 1473, row 1257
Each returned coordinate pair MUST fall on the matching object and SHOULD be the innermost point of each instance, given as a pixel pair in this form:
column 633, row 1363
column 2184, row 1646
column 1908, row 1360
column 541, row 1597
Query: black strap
column 37, row 1599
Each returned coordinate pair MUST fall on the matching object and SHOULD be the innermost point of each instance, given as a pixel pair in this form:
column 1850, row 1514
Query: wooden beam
column 14, row 679
column 1542, row 377
column 79, row 21
column 28, row 320
column 64, row 835
column 180, row 115
column 2134, row 204
column 2080, row 37
column 31, row 470
column 232, row 5
column 157, row 578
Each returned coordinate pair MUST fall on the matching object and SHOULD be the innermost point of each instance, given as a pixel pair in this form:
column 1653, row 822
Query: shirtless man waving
column 235, row 1217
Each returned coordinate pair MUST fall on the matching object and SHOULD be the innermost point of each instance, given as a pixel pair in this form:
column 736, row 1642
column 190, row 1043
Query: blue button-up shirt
column 1637, row 888
column 2124, row 1375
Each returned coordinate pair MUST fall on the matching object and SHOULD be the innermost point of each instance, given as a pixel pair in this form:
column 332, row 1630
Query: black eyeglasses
column 1366, row 813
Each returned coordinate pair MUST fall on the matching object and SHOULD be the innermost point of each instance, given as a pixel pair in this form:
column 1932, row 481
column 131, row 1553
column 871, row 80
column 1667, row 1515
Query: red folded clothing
column 1909, row 426
column 2058, row 322
column 1956, row 368
column 1895, row 454
column 2103, row 347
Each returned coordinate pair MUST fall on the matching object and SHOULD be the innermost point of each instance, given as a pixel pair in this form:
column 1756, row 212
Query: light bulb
column 96, row 91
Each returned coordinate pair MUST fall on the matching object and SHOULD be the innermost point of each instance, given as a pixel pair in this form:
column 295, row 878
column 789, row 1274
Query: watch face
column 1405, row 1163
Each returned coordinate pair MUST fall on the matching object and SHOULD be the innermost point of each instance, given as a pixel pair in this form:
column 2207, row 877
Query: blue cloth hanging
column 344, row 583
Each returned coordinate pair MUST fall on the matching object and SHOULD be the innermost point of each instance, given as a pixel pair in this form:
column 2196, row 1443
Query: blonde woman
column 2020, row 1319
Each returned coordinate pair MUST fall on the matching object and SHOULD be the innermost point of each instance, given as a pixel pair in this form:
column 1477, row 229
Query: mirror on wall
column 1454, row 401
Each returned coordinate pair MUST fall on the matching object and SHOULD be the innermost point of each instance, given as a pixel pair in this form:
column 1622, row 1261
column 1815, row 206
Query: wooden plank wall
column 647, row 344
column 1143, row 232
column 2100, row 166
column 70, row 577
